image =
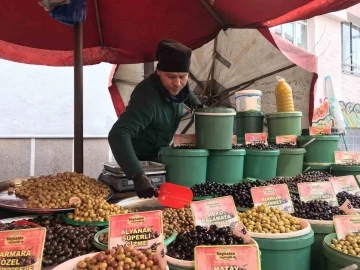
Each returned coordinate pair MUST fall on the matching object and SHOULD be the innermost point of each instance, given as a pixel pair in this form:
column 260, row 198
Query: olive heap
column 183, row 247
column 120, row 258
column 13, row 226
column 263, row 219
column 350, row 245
column 343, row 196
column 316, row 210
column 185, row 146
column 258, row 146
column 104, row 238
column 177, row 220
column 206, row 189
column 95, row 210
column 57, row 190
column 284, row 145
column 300, row 178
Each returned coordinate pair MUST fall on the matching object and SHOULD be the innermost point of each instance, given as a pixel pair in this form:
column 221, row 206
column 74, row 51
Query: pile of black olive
column 315, row 210
column 284, row 145
column 258, row 146
column 185, row 146
column 206, row 189
column 13, row 226
column 23, row 261
column 343, row 196
column 183, row 247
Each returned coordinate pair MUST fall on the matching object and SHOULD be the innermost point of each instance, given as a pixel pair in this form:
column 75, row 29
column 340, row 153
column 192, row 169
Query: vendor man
column 153, row 114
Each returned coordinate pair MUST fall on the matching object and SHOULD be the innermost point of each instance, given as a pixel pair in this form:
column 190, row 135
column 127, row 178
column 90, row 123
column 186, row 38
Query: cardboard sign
column 345, row 183
column 322, row 191
column 142, row 230
column 22, row 249
column 348, row 208
column 254, row 138
column 184, row 139
column 286, row 139
column 227, row 257
column 319, row 131
column 277, row 196
column 345, row 157
column 346, row 224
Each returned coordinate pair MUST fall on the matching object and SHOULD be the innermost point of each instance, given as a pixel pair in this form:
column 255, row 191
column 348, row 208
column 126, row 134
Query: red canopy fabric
column 130, row 30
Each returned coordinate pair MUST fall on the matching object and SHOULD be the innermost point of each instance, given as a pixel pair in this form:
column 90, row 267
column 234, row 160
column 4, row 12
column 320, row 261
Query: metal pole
column 78, row 99
column 148, row 68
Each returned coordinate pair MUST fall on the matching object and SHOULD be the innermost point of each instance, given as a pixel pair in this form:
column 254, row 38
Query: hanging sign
column 345, row 183
column 254, row 138
column 322, row 191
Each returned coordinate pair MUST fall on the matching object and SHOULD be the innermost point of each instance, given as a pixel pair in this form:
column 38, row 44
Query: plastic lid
column 215, row 111
column 244, row 92
column 318, row 138
column 255, row 152
column 249, row 114
column 292, row 151
column 283, row 114
column 233, row 152
column 169, row 151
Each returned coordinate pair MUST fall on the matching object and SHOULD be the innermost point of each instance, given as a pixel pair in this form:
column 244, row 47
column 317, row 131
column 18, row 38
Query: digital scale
column 115, row 177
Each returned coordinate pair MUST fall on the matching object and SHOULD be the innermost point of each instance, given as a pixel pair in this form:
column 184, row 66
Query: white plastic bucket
column 247, row 100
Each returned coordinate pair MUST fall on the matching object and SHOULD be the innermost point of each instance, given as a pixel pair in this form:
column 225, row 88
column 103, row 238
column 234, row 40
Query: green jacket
column 149, row 122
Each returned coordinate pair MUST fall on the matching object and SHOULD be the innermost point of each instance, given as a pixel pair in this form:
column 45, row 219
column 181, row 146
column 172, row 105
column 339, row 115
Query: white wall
column 38, row 100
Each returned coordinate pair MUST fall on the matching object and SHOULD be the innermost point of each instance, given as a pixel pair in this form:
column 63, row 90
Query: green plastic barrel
column 240, row 140
column 342, row 170
column 335, row 259
column 290, row 162
column 286, row 253
column 321, row 150
column 284, row 123
column 316, row 167
column 225, row 166
column 185, row 167
column 260, row 164
column 248, row 122
column 214, row 128
column 321, row 229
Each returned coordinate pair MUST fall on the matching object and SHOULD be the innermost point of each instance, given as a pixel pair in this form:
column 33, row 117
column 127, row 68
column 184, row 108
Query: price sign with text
column 345, row 157
column 254, row 138
column 322, row 191
column 319, row 131
column 346, row 224
column 345, row 183
column 286, row 139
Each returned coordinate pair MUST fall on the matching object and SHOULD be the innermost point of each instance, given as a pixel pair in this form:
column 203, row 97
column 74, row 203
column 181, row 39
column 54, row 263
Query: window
column 350, row 38
column 295, row 32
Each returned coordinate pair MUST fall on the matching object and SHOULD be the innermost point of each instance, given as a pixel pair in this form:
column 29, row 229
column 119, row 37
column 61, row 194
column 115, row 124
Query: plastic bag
column 71, row 13
column 49, row 5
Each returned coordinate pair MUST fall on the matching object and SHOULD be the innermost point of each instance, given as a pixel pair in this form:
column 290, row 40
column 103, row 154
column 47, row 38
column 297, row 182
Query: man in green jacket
column 153, row 114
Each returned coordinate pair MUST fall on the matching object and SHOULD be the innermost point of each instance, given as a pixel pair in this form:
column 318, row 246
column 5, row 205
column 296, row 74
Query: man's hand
column 144, row 187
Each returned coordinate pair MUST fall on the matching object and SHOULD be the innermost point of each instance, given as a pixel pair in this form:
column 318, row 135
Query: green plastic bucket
column 185, row 167
column 248, row 122
column 290, row 162
column 214, row 128
column 316, row 167
column 260, row 164
column 321, row 229
column 321, row 150
column 342, row 170
column 284, row 123
column 240, row 140
column 335, row 259
column 286, row 253
column 225, row 166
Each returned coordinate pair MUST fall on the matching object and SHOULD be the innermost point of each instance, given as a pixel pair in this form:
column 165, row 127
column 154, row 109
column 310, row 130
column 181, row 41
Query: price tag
column 234, row 139
column 277, row 196
column 227, row 257
column 345, row 157
column 348, row 208
column 22, row 249
column 322, row 191
column 142, row 230
column 345, row 183
column 184, row 139
column 254, row 138
column 346, row 224
column 218, row 211
column 319, row 131
column 286, row 139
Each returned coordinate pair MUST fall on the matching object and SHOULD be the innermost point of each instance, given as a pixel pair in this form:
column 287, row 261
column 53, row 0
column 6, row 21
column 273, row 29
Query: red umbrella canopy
column 124, row 31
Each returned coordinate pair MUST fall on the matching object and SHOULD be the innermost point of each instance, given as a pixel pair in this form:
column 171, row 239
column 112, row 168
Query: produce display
column 177, row 220
column 60, row 190
column 120, row 258
column 316, row 210
column 263, row 219
column 183, row 247
column 207, row 189
column 350, row 163
column 284, row 145
column 343, row 196
column 350, row 245
column 104, row 238
column 185, row 146
column 95, row 209
column 13, row 226
column 258, row 146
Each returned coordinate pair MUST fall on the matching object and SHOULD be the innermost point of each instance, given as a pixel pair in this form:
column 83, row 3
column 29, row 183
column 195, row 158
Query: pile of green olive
column 177, row 220
column 350, row 245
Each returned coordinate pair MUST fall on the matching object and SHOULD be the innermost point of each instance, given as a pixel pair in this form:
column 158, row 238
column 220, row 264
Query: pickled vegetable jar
column 284, row 96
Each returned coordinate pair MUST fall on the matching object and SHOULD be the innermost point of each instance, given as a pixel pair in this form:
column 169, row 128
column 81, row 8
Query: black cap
column 173, row 56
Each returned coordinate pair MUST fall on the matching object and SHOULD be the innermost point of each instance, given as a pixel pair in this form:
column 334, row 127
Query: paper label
column 346, row 224
column 254, row 138
column 22, row 249
column 322, row 191
column 243, row 257
column 319, row 131
column 218, row 211
column 348, row 208
column 276, row 196
column 286, row 139
column 234, row 139
column 184, row 139
column 143, row 230
column 345, row 157
column 345, row 183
